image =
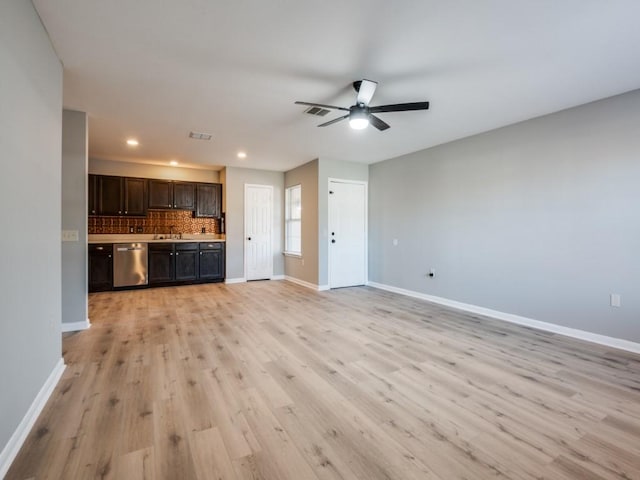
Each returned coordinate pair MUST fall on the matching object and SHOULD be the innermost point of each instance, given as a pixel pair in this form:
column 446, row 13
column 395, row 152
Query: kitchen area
column 131, row 224
column 153, row 232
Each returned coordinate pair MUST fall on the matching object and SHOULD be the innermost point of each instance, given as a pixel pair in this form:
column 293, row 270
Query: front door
column 347, row 233
column 258, row 225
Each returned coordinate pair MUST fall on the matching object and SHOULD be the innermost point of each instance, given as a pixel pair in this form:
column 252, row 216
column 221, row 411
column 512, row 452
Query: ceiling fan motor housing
column 358, row 110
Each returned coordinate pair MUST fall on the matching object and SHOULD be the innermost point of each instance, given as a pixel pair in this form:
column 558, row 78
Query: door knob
column 248, row 238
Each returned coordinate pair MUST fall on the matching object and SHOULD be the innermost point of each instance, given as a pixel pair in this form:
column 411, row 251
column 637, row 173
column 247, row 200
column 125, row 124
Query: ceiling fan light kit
column 361, row 115
column 359, row 119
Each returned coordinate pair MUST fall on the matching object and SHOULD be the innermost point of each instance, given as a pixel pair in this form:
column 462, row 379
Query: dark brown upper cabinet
column 110, row 195
column 124, row 196
column 117, row 196
column 160, row 194
column 135, row 197
column 184, row 196
column 166, row 195
column 92, row 201
column 208, row 200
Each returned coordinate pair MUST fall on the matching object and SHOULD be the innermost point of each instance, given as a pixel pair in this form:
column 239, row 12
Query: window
column 293, row 220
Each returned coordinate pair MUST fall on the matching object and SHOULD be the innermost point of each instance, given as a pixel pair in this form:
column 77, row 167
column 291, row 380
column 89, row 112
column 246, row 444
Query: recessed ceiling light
column 242, row 155
column 132, row 142
column 173, row 163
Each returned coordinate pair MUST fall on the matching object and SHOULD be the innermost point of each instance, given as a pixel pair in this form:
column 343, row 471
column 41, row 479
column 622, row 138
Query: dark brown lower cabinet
column 211, row 261
column 186, row 259
column 162, row 265
column 179, row 263
column 100, row 267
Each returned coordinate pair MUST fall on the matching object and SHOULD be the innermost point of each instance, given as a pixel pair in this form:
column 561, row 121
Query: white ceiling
column 155, row 70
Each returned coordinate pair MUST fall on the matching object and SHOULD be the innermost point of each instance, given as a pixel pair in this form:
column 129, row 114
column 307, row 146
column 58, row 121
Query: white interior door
column 258, row 225
column 347, row 233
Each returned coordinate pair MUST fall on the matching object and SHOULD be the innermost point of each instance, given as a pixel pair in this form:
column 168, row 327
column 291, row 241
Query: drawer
column 101, row 248
column 158, row 247
column 211, row 245
column 182, row 247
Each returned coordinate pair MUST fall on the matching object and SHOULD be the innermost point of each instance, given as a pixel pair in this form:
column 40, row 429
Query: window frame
column 292, row 215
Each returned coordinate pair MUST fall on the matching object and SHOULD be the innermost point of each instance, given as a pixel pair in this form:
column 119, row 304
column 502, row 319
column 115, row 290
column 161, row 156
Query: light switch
column 69, row 235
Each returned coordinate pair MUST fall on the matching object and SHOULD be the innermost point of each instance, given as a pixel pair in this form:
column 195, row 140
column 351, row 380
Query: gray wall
column 342, row 170
column 30, row 136
column 306, row 267
column 145, row 170
column 74, row 216
column 233, row 190
column 538, row 219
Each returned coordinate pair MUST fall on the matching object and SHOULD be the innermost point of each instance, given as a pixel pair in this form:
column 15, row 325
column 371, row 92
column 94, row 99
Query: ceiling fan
column 361, row 114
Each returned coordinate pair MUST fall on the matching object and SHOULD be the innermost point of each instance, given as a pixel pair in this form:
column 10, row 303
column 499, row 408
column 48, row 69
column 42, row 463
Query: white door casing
column 258, row 231
column 347, row 235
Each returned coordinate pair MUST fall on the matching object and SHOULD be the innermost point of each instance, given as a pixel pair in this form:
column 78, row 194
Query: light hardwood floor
column 268, row 380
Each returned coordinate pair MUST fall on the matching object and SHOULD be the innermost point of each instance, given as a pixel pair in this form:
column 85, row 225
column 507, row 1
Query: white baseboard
column 229, row 281
column 302, row 283
column 11, row 449
column 509, row 317
column 277, row 277
column 75, row 326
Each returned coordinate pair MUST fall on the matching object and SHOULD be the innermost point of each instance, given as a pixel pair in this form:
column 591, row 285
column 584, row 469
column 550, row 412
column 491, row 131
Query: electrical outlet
column 69, row 235
column 615, row 300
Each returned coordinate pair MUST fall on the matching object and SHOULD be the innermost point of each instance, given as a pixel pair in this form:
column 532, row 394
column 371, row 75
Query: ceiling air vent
column 199, row 136
column 317, row 111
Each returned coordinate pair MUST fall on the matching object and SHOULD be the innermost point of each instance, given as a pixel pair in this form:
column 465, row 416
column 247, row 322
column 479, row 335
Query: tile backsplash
column 155, row 222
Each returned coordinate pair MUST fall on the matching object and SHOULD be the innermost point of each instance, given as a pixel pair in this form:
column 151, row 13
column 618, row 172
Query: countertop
column 151, row 238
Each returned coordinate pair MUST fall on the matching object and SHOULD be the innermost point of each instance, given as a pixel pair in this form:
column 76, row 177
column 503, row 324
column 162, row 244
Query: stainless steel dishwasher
column 130, row 264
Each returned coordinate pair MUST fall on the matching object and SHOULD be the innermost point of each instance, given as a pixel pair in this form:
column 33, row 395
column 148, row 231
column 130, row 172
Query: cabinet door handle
column 200, row 253
column 171, row 254
column 177, row 253
column 333, row 241
column 109, row 255
column 99, row 248
column 125, row 212
column 119, row 212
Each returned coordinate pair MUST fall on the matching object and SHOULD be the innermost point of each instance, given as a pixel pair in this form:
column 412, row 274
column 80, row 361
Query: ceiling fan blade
column 379, row 124
column 321, row 105
column 366, row 91
column 400, row 107
column 331, row 122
